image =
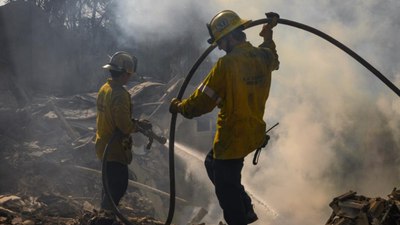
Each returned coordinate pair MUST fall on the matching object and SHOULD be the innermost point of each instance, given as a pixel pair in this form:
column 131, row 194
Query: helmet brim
column 111, row 67
column 107, row 66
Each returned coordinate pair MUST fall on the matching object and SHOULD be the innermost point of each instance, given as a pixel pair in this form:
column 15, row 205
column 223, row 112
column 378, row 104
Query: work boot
column 251, row 217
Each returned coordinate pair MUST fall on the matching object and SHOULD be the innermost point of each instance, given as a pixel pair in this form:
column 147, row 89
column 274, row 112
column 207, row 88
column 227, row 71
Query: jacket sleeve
column 196, row 105
column 209, row 94
column 122, row 113
column 270, row 48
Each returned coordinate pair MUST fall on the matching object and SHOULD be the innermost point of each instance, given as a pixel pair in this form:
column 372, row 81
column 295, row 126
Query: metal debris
column 353, row 209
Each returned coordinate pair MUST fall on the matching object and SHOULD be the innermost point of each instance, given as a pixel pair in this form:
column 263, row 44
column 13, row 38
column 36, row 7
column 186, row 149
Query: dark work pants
column 232, row 197
column 117, row 174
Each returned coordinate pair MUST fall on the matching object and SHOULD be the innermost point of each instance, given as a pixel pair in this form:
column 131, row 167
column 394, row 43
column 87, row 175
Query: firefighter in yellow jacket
column 114, row 115
column 238, row 84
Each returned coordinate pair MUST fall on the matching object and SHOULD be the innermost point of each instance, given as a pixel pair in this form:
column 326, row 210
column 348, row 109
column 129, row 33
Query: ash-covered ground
column 50, row 174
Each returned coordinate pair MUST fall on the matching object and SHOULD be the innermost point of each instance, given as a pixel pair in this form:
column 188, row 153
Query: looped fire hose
column 189, row 77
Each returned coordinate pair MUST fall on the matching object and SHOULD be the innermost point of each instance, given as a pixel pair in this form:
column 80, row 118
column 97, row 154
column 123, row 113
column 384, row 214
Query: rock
column 28, row 222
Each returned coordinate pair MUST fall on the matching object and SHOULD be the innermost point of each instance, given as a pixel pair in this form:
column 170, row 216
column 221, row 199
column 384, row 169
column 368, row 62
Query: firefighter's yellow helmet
column 223, row 23
column 122, row 62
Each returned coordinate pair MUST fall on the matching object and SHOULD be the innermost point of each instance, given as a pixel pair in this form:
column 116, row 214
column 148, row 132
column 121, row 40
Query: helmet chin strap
column 229, row 45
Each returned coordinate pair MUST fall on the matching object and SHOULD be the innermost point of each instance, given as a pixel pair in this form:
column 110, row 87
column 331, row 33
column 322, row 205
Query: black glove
column 174, row 107
column 274, row 16
column 266, row 31
column 144, row 124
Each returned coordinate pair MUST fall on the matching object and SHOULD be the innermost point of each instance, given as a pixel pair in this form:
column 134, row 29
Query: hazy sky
column 339, row 125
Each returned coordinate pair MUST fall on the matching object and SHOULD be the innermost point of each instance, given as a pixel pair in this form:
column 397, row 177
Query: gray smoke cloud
column 168, row 35
column 162, row 20
column 339, row 125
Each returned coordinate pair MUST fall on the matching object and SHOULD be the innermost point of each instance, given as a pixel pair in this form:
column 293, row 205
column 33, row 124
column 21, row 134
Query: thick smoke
column 339, row 125
column 162, row 20
column 168, row 35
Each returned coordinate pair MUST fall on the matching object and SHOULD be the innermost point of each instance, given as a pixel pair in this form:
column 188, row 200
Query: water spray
column 185, row 83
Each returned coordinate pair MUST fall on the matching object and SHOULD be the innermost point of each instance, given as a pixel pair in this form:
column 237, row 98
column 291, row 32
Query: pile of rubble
column 54, row 209
column 353, row 209
column 62, row 195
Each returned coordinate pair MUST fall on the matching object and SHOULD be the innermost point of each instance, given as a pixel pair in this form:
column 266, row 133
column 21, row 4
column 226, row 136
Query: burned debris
column 353, row 209
column 50, row 174
column 39, row 183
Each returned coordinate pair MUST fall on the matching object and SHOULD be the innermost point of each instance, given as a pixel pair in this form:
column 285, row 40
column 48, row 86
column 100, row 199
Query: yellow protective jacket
column 113, row 111
column 239, row 85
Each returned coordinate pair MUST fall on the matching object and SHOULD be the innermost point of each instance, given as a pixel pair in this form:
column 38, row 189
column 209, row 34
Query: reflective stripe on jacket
column 113, row 111
column 239, row 85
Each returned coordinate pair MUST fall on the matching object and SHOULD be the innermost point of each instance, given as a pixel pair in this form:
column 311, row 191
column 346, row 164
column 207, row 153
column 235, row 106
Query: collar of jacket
column 114, row 83
column 242, row 45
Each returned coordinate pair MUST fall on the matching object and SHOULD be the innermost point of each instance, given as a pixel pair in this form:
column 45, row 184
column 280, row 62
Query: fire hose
column 185, row 83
